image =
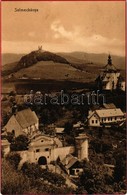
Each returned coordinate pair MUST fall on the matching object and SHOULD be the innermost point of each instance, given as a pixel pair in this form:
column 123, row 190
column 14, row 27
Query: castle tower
column 82, row 146
column 40, row 49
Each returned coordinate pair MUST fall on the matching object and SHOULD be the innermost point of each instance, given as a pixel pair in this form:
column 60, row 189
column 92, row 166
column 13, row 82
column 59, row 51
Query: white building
column 44, row 149
column 98, row 118
column 23, row 122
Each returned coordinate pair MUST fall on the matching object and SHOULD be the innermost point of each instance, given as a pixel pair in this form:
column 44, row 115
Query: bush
column 13, row 182
column 20, row 143
column 14, row 159
column 32, row 170
column 54, row 178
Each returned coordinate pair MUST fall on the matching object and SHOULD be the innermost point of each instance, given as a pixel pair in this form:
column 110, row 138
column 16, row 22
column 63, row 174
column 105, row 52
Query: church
column 110, row 78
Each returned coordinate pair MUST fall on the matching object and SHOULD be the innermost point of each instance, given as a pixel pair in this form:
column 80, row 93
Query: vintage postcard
column 63, row 97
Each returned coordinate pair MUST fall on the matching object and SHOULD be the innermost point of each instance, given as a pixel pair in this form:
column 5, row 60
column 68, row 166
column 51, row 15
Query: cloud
column 95, row 43
column 61, row 32
column 67, row 41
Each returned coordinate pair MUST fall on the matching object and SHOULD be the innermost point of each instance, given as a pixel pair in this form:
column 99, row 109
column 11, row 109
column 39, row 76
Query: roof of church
column 26, row 118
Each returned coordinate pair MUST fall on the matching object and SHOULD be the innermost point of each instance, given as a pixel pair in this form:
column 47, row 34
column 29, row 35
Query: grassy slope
column 56, row 71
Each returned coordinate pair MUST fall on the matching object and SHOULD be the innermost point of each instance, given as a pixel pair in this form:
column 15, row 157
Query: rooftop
column 26, row 118
column 69, row 161
column 109, row 112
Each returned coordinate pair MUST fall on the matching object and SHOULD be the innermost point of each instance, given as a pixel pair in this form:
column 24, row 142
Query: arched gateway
column 42, row 160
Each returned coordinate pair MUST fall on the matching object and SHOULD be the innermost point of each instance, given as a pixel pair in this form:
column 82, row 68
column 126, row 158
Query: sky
column 93, row 27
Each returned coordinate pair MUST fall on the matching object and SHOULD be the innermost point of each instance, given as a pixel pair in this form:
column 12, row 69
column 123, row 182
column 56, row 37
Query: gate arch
column 42, row 160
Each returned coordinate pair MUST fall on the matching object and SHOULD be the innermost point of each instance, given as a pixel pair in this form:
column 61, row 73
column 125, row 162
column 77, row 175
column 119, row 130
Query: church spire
column 109, row 60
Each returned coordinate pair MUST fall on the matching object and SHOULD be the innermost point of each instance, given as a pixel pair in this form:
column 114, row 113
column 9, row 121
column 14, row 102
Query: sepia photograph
column 63, row 97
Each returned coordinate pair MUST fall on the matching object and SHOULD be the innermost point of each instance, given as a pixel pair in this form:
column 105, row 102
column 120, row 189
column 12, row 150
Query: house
column 59, row 130
column 109, row 78
column 72, row 166
column 23, row 122
column 5, row 146
column 102, row 117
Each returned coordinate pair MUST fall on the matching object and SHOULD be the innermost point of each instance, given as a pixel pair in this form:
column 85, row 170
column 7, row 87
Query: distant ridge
column 10, row 58
column 93, row 58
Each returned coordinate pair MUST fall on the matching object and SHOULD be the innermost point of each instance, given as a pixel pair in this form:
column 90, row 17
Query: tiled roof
column 59, row 129
column 26, row 118
column 69, row 161
column 109, row 112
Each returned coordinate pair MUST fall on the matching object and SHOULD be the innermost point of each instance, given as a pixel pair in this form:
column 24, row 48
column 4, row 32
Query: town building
column 5, row 146
column 45, row 149
column 72, row 166
column 81, row 142
column 103, row 117
column 23, row 122
column 110, row 78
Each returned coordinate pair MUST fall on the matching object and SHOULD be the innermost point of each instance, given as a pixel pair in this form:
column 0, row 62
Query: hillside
column 91, row 58
column 33, row 58
column 55, row 71
column 76, row 66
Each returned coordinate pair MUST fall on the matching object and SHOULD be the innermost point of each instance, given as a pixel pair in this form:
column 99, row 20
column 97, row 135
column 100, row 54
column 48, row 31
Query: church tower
column 108, row 79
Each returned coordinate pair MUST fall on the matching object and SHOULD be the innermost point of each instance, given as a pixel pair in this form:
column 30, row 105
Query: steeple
column 109, row 60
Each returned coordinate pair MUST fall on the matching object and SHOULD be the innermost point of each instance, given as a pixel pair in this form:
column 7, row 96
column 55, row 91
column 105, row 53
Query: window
column 37, row 150
column 96, row 121
column 41, row 140
column 77, row 170
column 115, row 118
column 46, row 149
column 92, row 121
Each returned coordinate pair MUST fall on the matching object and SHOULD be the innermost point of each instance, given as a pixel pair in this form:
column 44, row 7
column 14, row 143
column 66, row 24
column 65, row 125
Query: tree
column 12, row 93
column 20, row 143
column 68, row 128
column 13, row 181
